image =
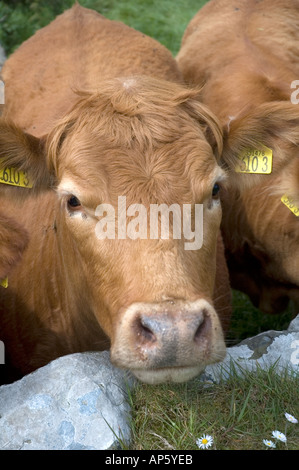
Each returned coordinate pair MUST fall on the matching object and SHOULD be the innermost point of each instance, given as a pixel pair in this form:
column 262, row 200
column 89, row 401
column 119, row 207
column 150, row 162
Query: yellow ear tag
column 4, row 282
column 290, row 204
column 257, row 161
column 9, row 175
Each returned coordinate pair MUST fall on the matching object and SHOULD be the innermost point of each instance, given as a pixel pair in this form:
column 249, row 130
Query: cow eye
column 216, row 189
column 73, row 203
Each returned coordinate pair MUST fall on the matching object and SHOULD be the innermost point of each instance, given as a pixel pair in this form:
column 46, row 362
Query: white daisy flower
column 205, row 441
column 291, row 418
column 279, row 435
column 269, row 443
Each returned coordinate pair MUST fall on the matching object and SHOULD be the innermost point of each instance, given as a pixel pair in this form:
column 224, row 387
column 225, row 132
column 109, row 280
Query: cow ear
column 273, row 127
column 23, row 153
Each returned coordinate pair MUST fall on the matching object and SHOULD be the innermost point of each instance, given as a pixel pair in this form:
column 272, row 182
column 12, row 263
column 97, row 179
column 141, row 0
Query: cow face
column 122, row 153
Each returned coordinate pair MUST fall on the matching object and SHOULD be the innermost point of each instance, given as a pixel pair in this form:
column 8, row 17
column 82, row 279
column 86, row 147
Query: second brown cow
column 246, row 53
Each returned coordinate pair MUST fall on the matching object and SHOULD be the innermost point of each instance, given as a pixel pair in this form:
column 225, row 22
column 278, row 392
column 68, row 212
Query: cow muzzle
column 171, row 341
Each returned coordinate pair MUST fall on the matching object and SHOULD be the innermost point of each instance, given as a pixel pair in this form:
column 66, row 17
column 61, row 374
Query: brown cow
column 247, row 55
column 144, row 138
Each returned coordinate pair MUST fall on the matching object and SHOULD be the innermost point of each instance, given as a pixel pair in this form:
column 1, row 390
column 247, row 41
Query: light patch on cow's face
column 129, row 83
column 68, row 186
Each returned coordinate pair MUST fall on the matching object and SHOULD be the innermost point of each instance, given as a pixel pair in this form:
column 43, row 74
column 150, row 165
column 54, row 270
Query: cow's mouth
column 167, row 374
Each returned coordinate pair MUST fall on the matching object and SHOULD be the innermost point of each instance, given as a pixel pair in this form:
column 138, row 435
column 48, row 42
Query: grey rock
column 80, row 401
column 279, row 349
column 294, row 325
column 75, row 402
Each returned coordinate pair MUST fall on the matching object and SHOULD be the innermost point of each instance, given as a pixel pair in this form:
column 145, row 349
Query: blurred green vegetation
column 165, row 20
column 248, row 320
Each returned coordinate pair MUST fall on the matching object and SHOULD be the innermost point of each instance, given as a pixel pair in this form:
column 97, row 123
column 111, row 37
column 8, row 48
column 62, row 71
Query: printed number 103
column 255, row 164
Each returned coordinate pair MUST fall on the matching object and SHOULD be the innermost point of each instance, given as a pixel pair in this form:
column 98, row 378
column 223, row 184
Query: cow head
column 260, row 231
column 122, row 150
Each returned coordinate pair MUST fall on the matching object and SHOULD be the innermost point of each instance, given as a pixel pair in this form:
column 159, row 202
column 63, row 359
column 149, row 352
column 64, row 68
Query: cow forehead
column 127, row 136
column 135, row 112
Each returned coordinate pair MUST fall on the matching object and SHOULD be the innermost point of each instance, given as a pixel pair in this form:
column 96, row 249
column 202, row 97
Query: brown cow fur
column 13, row 241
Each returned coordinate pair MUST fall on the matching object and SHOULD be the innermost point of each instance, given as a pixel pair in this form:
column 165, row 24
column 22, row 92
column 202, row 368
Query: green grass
column 238, row 414
column 248, row 320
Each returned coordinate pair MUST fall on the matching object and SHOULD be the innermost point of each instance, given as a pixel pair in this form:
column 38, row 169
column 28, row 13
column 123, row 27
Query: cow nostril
column 143, row 331
column 203, row 328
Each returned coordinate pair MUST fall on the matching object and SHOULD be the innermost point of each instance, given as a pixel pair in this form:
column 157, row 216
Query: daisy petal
column 205, row 441
column 279, row 435
column 269, row 443
column 291, row 418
